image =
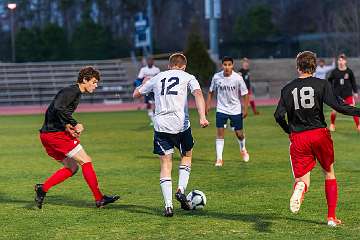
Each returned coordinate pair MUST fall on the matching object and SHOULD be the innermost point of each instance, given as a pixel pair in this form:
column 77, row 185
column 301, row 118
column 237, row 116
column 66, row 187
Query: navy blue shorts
column 236, row 121
column 164, row 143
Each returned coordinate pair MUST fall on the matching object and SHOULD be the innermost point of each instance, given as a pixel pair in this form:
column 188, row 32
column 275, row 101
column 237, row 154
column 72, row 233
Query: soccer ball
column 197, row 199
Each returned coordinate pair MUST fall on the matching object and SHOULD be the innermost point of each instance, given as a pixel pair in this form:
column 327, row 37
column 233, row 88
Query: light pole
column 12, row 7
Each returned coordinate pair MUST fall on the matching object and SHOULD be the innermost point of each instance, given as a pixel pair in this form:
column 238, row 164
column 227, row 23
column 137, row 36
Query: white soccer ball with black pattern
column 197, row 199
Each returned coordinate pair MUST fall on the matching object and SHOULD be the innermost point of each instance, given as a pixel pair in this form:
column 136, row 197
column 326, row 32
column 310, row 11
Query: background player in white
column 229, row 85
column 172, row 125
column 147, row 72
column 322, row 69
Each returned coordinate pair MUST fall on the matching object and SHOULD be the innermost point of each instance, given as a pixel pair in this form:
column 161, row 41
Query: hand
column 79, row 128
column 204, row 122
column 245, row 113
column 207, row 110
column 356, row 95
column 70, row 129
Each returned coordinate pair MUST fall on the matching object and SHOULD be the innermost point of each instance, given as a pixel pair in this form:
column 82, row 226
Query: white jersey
column 322, row 71
column 146, row 72
column 171, row 90
column 228, row 91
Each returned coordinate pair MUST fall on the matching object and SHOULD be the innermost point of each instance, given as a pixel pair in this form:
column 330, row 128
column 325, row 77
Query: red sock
column 331, row 196
column 58, row 177
column 332, row 117
column 90, row 178
column 253, row 106
column 356, row 120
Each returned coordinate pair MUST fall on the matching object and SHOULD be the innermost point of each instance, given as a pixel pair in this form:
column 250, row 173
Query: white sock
column 166, row 188
column 184, row 174
column 151, row 114
column 242, row 144
column 219, row 148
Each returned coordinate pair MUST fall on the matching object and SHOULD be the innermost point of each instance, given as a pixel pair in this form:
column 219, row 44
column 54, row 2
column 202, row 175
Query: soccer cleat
column 245, row 155
column 219, row 163
column 39, row 195
column 106, row 200
column 256, row 113
column 332, row 127
column 333, row 222
column 297, row 197
column 168, row 212
column 185, row 204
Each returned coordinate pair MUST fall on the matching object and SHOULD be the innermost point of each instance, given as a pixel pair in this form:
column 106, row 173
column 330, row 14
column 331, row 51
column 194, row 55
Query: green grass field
column 245, row 200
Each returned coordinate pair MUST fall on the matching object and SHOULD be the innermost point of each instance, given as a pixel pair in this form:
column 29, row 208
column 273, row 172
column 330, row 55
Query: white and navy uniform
column 228, row 90
column 147, row 73
column 321, row 72
column 171, row 119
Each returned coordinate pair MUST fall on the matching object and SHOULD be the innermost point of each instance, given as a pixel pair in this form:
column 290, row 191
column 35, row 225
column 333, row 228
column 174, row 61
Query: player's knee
column 74, row 169
column 240, row 135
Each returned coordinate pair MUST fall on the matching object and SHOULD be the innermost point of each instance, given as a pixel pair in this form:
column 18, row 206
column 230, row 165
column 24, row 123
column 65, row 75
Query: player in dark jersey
column 245, row 73
column 343, row 82
column 60, row 137
column 302, row 102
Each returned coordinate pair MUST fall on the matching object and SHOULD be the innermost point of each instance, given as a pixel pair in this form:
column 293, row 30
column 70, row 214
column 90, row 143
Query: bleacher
column 37, row 83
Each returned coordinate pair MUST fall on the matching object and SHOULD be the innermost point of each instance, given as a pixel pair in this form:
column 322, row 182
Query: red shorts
column 307, row 147
column 60, row 145
column 350, row 100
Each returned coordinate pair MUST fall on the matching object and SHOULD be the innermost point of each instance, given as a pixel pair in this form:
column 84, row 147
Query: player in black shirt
column 245, row 73
column 343, row 82
column 302, row 102
column 60, row 137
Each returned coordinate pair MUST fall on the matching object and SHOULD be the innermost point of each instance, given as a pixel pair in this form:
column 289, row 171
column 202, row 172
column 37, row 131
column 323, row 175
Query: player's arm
column 208, row 102
column 332, row 101
column 245, row 97
column 200, row 105
column 280, row 116
column 62, row 101
column 144, row 88
column 353, row 84
column 210, row 95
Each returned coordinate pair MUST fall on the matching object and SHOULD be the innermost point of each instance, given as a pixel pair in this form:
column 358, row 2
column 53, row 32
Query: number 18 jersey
column 171, row 90
column 302, row 101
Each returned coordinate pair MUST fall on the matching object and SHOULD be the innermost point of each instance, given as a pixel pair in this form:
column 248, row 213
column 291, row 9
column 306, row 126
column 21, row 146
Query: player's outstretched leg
column 300, row 188
column 69, row 169
column 91, row 179
column 166, row 183
column 184, row 174
column 241, row 140
column 332, row 121
column 331, row 192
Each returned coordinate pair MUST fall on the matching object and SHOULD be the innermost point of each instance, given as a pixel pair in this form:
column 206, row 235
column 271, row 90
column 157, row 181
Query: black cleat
column 39, row 195
column 185, row 204
column 168, row 212
column 106, row 200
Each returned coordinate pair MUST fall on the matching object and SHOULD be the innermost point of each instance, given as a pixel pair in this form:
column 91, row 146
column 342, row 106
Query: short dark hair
column 177, row 59
column 226, row 59
column 343, row 56
column 306, row 62
column 88, row 73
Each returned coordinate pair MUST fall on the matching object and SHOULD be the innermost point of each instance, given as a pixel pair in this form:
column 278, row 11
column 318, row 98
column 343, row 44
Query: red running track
column 37, row 109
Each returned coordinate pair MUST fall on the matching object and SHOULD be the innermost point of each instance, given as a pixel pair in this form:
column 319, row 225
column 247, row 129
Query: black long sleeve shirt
column 343, row 82
column 245, row 73
column 302, row 101
column 60, row 110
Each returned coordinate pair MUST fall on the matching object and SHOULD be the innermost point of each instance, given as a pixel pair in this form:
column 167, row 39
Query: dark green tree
column 55, row 44
column 29, row 45
column 256, row 24
column 91, row 41
column 199, row 61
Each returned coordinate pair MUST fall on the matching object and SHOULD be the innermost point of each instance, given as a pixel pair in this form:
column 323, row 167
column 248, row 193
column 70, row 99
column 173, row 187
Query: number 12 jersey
column 171, row 90
column 302, row 101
